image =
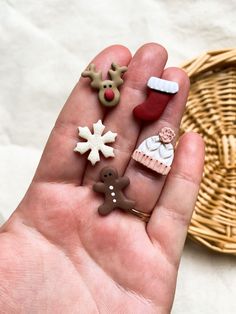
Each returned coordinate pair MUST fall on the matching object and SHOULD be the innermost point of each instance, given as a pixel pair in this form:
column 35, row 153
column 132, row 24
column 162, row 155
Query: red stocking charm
column 159, row 94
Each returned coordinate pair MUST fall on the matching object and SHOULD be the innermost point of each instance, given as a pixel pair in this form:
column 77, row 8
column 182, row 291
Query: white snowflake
column 96, row 142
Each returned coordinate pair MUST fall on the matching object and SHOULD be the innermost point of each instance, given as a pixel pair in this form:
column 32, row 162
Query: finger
column 147, row 182
column 169, row 222
column 59, row 162
column 149, row 60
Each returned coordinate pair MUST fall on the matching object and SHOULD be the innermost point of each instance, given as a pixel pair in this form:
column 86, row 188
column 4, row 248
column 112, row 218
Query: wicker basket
column 211, row 111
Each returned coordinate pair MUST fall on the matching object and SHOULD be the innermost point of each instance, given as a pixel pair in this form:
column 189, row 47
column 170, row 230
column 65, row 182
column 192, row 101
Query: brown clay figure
column 108, row 92
column 112, row 187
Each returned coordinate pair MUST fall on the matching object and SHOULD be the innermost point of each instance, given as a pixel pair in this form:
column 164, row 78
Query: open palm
column 57, row 254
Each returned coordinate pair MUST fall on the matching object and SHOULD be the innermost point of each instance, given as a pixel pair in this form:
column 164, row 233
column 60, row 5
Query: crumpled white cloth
column 44, row 46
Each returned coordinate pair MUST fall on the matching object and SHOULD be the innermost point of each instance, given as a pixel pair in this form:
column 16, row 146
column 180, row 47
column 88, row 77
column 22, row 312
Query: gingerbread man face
column 108, row 175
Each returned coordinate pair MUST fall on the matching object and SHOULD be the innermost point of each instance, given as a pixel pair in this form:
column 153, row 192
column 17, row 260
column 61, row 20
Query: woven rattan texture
column 211, row 111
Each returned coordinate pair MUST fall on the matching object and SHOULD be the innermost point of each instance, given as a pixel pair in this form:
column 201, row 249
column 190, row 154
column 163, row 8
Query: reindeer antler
column 95, row 76
column 115, row 73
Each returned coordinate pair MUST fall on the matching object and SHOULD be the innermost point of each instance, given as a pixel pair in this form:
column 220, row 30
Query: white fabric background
column 44, row 46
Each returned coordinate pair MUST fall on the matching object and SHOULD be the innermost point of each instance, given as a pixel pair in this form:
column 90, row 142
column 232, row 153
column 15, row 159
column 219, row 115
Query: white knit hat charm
column 157, row 152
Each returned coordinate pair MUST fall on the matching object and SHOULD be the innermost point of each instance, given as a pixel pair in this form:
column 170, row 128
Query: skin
column 57, row 254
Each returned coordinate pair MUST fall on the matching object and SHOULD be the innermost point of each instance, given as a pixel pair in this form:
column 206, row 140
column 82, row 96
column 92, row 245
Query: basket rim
column 208, row 60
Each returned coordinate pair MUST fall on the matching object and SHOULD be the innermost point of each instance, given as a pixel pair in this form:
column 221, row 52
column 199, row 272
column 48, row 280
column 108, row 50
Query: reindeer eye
column 105, row 175
column 110, row 174
column 110, row 85
column 104, row 86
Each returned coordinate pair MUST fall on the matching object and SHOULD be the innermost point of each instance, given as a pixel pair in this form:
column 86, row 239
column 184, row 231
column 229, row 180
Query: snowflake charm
column 96, row 142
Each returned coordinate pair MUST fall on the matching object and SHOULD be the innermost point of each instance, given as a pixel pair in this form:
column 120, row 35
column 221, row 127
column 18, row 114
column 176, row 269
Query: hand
column 57, row 254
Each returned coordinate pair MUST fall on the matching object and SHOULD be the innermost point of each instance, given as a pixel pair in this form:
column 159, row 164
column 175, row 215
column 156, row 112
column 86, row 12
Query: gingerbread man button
column 112, row 187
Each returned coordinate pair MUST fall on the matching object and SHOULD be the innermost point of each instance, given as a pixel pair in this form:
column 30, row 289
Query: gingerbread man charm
column 112, row 187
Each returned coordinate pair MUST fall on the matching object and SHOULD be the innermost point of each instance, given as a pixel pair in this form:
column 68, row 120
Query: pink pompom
column 166, row 135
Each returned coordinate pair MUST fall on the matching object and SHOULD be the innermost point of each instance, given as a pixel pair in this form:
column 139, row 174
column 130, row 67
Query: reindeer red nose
column 109, row 94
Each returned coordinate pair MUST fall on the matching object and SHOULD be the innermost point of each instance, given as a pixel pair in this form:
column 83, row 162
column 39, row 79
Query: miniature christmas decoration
column 159, row 94
column 156, row 152
column 112, row 186
column 108, row 92
column 96, row 142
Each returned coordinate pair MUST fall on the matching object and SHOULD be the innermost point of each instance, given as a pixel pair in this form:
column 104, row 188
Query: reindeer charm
column 108, row 92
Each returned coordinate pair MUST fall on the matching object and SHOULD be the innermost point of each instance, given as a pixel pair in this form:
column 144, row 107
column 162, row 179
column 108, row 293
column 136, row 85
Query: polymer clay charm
column 159, row 93
column 108, row 92
column 96, row 142
column 112, row 186
column 156, row 152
